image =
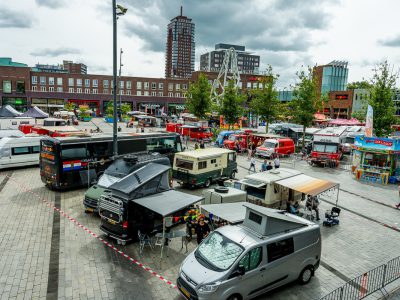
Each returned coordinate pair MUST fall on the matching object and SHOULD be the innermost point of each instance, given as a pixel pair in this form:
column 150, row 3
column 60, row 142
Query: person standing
column 252, row 164
column 249, row 150
column 264, row 166
column 277, row 163
column 202, row 230
column 202, row 144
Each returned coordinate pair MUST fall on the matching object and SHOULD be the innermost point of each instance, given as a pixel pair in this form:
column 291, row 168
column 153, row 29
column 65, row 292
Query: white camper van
column 19, row 151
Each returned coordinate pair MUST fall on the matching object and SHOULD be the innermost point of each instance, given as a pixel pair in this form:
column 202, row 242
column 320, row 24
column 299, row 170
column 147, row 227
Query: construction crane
column 229, row 71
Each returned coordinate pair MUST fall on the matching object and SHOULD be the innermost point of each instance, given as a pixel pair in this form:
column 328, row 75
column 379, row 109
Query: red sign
column 253, row 78
column 385, row 143
column 341, row 97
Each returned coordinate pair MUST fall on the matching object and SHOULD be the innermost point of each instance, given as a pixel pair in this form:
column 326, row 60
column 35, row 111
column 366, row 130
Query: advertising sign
column 379, row 144
column 369, row 121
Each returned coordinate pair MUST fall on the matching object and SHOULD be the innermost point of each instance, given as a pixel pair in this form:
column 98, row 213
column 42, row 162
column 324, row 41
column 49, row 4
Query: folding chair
column 144, row 240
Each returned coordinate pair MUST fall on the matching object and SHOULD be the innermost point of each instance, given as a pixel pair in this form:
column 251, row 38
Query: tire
column 306, row 275
column 233, row 174
column 235, row 297
column 207, row 183
column 221, row 189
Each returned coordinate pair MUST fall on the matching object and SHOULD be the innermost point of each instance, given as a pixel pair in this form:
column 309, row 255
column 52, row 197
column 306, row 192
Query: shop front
column 19, row 103
column 153, row 109
column 48, row 105
column 376, row 160
column 94, row 105
column 175, row 109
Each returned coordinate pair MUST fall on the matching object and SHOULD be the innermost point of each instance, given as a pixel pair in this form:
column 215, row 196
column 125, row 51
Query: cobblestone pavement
column 45, row 255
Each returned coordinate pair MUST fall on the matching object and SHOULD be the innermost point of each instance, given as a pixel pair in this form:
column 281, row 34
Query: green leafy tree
column 359, row 85
column 265, row 102
column 231, row 106
column 110, row 109
column 198, row 101
column 307, row 100
column 125, row 108
column 284, row 112
column 381, row 99
column 69, row 106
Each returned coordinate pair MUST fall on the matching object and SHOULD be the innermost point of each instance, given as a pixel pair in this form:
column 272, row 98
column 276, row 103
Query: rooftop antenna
column 181, row 8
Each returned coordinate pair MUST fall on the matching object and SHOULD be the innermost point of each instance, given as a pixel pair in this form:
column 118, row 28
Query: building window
column 255, row 85
column 128, row 85
column 42, row 88
column 170, row 86
column 105, row 83
column 146, row 85
column 154, row 93
column 79, row 90
column 170, row 94
column 20, row 87
column 105, row 91
column 95, row 91
column 160, row 85
column 34, row 88
column 87, row 82
column 121, row 92
column 59, row 80
column 128, row 92
column 178, row 95
column 160, row 94
column 70, row 82
column 177, row 86
column 87, row 91
column 139, row 93
column 249, row 85
column 146, row 93
column 59, row 89
column 51, row 80
column 71, row 90
column 34, row 79
column 42, row 80
column 51, row 89
column 79, row 82
column 153, row 85
column 184, row 86
column 95, row 83
column 139, row 85
column 121, row 84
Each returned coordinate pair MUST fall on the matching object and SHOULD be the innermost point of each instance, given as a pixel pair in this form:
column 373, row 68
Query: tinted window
column 252, row 259
column 74, row 152
column 131, row 146
column 20, row 150
column 202, row 165
column 184, row 164
column 35, row 149
column 100, row 149
column 279, row 249
column 255, row 218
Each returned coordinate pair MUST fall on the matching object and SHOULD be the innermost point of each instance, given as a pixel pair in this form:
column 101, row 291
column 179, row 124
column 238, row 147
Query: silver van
column 271, row 248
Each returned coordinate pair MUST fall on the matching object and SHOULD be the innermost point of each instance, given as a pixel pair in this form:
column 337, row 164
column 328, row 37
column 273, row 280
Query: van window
column 184, row 164
column 213, row 161
column 35, row 149
column 202, row 165
column 20, row 150
column 73, row 151
column 255, row 218
column 252, row 259
column 232, row 157
column 279, row 249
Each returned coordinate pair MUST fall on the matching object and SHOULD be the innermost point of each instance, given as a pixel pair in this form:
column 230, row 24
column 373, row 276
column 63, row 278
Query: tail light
column 194, row 180
column 125, row 224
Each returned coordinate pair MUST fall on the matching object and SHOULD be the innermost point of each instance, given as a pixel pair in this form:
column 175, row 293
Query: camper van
column 204, row 166
column 19, row 151
column 271, row 248
column 262, row 188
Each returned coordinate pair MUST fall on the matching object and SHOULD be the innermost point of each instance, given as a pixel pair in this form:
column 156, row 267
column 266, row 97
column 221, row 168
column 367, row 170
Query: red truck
column 242, row 137
column 196, row 133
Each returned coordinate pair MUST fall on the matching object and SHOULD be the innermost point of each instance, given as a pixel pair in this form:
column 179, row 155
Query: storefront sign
column 342, row 97
column 374, row 143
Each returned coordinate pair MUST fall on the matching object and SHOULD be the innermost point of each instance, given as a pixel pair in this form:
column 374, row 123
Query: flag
column 369, row 122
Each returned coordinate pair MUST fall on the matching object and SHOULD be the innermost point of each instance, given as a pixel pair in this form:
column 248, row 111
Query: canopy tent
column 35, row 112
column 345, row 122
column 232, row 212
column 8, row 111
column 307, row 184
column 320, row 117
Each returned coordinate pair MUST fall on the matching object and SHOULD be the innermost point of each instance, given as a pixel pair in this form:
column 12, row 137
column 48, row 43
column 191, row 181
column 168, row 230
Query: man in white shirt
column 252, row 164
column 277, row 163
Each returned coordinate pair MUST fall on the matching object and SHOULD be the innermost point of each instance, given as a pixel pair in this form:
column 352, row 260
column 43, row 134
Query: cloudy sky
column 287, row 34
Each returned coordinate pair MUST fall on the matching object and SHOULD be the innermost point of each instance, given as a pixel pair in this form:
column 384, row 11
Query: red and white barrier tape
column 122, row 253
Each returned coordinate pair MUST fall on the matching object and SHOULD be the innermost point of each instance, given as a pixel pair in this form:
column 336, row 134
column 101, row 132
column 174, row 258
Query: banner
column 369, row 122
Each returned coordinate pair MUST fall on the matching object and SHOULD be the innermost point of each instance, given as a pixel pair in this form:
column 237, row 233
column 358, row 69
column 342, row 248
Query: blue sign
column 378, row 144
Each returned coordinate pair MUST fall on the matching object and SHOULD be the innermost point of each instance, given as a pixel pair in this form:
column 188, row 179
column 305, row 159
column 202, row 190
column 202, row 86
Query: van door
column 250, row 282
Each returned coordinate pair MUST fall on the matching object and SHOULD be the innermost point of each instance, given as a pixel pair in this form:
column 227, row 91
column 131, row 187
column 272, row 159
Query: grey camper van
column 271, row 248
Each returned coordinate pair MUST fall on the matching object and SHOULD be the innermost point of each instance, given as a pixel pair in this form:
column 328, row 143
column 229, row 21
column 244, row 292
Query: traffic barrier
column 367, row 283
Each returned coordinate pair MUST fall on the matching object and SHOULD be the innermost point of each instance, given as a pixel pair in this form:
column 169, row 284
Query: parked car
column 277, row 146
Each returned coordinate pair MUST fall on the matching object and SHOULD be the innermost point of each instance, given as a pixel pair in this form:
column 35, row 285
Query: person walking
column 249, row 150
column 202, row 230
column 277, row 163
column 202, row 144
column 252, row 164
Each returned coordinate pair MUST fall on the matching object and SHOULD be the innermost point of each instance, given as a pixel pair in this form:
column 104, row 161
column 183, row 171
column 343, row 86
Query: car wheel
column 306, row 274
column 235, row 297
column 207, row 183
column 233, row 174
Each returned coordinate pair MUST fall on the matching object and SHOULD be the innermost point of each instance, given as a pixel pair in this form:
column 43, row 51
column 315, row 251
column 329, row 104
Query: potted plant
column 125, row 108
column 84, row 113
column 110, row 112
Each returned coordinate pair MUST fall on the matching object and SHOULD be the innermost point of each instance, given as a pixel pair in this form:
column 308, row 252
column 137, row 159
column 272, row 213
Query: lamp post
column 120, row 87
column 120, row 11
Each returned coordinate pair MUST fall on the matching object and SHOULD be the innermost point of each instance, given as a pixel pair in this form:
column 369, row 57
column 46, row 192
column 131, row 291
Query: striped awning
column 307, row 184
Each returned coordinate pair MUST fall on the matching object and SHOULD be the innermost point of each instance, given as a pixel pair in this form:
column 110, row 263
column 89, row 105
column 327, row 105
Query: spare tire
column 221, row 189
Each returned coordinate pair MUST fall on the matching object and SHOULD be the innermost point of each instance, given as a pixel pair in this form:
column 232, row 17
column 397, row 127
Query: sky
column 289, row 35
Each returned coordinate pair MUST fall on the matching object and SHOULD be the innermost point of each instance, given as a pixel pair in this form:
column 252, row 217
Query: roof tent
column 234, row 213
column 35, row 112
column 8, row 111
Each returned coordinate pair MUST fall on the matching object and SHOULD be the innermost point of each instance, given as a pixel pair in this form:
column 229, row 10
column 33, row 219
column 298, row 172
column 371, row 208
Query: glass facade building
column 334, row 77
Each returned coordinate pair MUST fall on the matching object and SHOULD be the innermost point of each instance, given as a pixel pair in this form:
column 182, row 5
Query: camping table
column 172, row 235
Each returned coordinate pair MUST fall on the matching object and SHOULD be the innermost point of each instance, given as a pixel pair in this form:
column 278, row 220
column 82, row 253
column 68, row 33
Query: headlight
column 209, row 288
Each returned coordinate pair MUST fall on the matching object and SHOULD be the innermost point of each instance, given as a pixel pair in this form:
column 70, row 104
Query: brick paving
column 88, row 269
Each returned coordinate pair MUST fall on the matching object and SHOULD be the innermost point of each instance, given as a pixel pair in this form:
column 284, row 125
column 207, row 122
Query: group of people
column 312, row 204
column 201, row 145
column 265, row 166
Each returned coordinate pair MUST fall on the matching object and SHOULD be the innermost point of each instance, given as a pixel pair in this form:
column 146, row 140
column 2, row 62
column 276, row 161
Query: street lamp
column 118, row 10
column 120, row 87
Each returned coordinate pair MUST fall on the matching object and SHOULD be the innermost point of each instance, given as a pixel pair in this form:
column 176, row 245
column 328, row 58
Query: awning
column 166, row 203
column 232, row 212
column 307, row 185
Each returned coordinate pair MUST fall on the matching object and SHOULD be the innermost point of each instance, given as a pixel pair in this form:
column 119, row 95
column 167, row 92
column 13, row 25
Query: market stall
column 376, row 159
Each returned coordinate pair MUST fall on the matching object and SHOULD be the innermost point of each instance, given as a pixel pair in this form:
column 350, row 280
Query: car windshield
column 220, row 137
column 218, row 252
column 232, row 138
column 107, row 180
column 331, row 148
column 269, row 144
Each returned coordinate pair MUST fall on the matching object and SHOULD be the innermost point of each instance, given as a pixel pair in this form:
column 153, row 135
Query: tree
column 381, row 99
column 265, row 101
column 307, row 100
column 198, row 101
column 69, row 106
column 284, row 112
column 359, row 85
column 125, row 108
column 231, row 106
column 110, row 109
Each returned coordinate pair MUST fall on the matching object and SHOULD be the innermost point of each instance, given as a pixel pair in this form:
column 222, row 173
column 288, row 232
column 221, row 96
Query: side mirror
column 241, row 270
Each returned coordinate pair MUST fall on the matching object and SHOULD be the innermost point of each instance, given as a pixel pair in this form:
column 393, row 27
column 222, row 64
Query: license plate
column 185, row 292
column 89, row 209
column 112, row 222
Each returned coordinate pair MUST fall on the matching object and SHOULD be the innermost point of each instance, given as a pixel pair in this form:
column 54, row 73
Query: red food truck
column 242, row 137
column 196, row 133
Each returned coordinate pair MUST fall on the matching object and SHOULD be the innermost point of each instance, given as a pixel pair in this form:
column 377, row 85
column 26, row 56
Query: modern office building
column 332, row 77
column 247, row 62
column 180, row 49
column 74, row 68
